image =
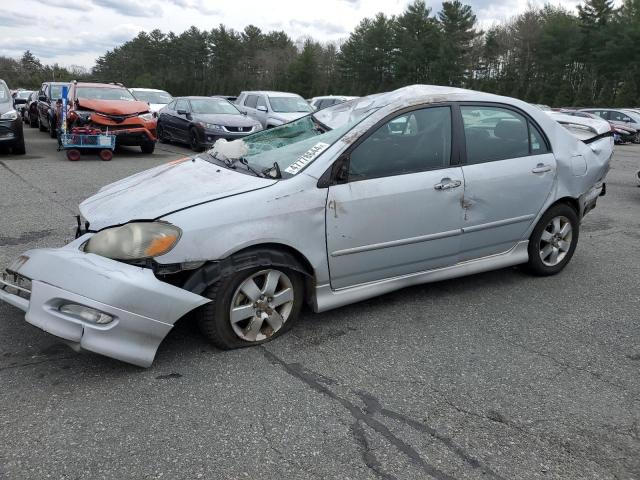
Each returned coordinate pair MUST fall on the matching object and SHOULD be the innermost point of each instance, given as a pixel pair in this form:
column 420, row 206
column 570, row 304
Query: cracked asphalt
column 498, row 375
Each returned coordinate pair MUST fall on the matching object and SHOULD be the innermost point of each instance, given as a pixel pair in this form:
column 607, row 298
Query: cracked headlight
column 134, row 241
column 10, row 115
column 146, row 116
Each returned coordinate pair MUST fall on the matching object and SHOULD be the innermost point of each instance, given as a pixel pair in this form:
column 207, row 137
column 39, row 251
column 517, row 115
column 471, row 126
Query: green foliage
column 543, row 55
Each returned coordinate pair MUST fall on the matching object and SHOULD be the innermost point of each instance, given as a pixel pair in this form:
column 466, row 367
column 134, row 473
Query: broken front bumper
column 143, row 309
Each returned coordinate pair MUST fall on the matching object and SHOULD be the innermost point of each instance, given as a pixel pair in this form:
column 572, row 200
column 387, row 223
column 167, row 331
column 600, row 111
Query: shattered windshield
column 296, row 144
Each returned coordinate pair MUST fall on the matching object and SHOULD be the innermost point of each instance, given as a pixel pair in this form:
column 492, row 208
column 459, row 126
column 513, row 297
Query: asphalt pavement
column 498, row 375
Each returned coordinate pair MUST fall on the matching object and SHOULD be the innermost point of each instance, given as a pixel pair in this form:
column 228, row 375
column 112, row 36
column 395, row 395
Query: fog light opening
column 86, row 314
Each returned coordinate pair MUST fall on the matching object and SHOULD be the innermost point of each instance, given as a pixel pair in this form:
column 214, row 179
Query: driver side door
column 399, row 211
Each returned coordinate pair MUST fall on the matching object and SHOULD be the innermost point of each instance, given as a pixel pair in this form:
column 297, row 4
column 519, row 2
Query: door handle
column 541, row 168
column 447, row 183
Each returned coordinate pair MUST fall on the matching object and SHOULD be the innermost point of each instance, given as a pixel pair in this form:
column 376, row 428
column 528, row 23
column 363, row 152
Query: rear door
column 262, row 110
column 509, row 172
column 399, row 212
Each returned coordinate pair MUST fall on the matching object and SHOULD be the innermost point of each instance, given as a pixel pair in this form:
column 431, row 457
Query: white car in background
column 318, row 103
column 154, row 97
column 272, row 109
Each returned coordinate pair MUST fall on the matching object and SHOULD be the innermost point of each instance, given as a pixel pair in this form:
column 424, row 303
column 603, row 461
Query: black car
column 30, row 110
column 10, row 122
column 49, row 94
column 20, row 100
column 200, row 121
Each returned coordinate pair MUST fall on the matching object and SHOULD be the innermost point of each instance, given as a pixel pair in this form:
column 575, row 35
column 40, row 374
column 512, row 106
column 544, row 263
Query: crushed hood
column 114, row 107
column 174, row 186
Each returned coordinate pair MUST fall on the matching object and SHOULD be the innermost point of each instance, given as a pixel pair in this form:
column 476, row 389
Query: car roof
column 270, row 93
column 142, row 89
column 189, row 97
column 99, row 85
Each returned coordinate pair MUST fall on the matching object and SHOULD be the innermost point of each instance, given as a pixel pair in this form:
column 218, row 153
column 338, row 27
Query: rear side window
column 251, row 101
column 494, row 133
column 619, row 116
column 416, row 141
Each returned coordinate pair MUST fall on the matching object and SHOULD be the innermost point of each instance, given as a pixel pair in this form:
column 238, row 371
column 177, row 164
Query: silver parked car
column 272, row 108
column 359, row 199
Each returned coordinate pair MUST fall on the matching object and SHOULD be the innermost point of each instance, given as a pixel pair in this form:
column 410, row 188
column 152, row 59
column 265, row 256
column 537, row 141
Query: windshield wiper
column 229, row 162
column 273, row 172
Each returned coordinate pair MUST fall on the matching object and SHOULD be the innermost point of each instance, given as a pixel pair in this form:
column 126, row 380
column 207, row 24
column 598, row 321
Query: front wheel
column 251, row 306
column 553, row 240
column 161, row 134
column 194, row 141
column 148, row 147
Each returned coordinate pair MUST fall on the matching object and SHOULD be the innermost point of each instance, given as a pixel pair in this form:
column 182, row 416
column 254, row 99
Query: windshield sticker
column 307, row 158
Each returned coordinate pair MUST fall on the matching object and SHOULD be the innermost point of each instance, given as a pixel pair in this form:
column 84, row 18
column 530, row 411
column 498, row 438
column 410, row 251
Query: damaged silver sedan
column 363, row 198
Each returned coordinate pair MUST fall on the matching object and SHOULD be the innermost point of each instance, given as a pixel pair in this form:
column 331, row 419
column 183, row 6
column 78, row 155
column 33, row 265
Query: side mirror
column 244, row 113
column 182, row 112
column 42, row 98
column 262, row 108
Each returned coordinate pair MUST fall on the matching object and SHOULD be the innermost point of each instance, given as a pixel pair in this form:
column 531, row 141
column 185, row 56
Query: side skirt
column 326, row 298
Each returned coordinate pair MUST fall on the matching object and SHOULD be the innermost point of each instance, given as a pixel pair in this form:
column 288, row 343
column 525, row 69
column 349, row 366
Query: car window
column 251, row 101
column 599, row 113
column 413, row 142
column 289, row 105
column 261, row 102
column 494, row 133
column 148, row 96
column 172, row 105
column 538, row 144
column 56, row 92
column 619, row 116
column 182, row 105
column 213, row 106
column 96, row 93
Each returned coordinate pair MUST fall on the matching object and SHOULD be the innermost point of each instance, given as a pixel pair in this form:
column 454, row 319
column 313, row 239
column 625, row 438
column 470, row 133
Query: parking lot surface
column 497, row 375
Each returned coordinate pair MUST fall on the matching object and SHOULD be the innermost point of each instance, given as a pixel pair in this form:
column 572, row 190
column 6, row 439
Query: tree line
column 545, row 55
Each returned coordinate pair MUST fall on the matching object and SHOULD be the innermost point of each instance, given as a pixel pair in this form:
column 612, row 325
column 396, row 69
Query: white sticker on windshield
column 307, row 158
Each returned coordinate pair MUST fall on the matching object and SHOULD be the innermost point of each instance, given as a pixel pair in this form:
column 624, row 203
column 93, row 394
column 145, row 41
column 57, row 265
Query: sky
column 76, row 32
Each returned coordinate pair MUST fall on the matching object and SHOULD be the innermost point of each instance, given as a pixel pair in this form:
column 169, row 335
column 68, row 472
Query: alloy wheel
column 555, row 241
column 261, row 305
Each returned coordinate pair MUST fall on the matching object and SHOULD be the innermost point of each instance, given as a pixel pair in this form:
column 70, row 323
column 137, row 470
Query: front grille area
column 15, row 284
column 238, row 129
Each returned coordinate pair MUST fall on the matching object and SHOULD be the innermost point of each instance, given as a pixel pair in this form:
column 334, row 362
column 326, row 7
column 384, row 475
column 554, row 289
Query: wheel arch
column 277, row 254
column 571, row 202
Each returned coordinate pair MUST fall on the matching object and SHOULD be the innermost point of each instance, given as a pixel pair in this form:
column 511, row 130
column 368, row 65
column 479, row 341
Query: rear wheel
column 148, row 147
column 251, row 306
column 553, row 240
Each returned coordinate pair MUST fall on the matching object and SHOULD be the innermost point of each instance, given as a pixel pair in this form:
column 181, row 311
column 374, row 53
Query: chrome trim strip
column 397, row 243
column 498, row 223
column 326, row 298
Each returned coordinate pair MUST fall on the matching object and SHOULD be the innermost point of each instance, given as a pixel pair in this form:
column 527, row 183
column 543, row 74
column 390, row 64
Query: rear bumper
column 588, row 200
column 143, row 308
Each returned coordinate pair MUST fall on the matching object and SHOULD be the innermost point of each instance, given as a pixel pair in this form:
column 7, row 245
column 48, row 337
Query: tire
column 553, row 240
column 32, row 123
column 19, row 148
column 53, row 130
column 636, row 137
column 214, row 318
column 41, row 127
column 105, row 155
column 73, row 155
column 194, row 142
column 148, row 147
column 160, row 133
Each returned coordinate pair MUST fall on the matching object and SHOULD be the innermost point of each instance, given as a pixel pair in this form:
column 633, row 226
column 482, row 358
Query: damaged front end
column 135, row 128
column 95, row 303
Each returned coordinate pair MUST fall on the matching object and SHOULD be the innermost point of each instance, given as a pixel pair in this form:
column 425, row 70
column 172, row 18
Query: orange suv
column 111, row 108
